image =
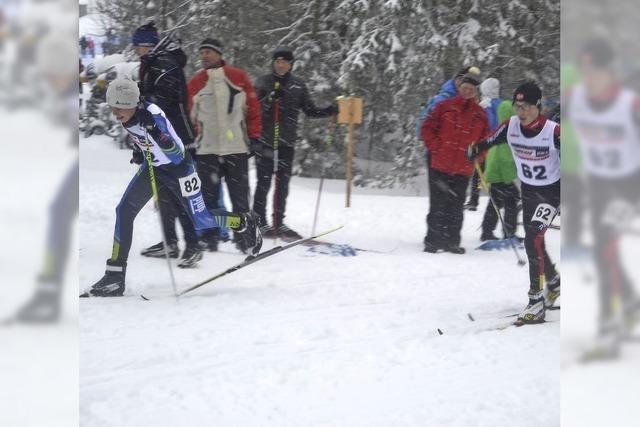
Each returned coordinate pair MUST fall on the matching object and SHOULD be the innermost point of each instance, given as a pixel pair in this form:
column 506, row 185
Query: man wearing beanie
column 282, row 91
column 535, row 143
column 449, row 129
column 162, row 82
column 166, row 163
column 225, row 109
column 448, row 90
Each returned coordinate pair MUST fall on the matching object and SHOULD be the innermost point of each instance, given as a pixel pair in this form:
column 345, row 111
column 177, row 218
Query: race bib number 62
column 190, row 185
column 544, row 213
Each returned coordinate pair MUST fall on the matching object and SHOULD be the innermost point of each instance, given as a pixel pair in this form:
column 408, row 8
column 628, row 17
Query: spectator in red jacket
column 450, row 128
column 225, row 109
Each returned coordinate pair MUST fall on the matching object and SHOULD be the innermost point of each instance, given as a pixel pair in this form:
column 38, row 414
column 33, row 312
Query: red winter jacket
column 240, row 79
column 450, row 128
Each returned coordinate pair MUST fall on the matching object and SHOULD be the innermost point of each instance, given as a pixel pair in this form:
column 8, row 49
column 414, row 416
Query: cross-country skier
column 173, row 169
column 606, row 119
column 535, row 143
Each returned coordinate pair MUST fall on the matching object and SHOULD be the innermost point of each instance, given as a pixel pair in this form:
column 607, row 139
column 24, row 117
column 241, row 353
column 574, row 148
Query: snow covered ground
column 305, row 339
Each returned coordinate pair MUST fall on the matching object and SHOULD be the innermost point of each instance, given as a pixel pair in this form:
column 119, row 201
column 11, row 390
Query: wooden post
column 351, row 114
column 349, row 164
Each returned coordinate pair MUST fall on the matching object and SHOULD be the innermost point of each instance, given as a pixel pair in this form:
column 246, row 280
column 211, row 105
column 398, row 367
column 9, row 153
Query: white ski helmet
column 123, row 93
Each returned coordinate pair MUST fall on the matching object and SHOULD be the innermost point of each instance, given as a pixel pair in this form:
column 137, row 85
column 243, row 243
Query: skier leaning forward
column 535, row 143
column 174, row 171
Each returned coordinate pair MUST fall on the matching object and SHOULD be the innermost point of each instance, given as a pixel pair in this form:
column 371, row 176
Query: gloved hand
column 137, row 157
column 146, row 120
column 472, row 152
column 276, row 93
column 147, row 59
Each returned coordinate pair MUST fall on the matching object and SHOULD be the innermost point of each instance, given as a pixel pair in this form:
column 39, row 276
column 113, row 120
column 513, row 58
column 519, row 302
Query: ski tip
column 471, row 317
column 439, row 331
column 144, row 298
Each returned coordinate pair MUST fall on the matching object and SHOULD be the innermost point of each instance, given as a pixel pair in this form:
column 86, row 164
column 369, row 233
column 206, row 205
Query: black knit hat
column 528, row 92
column 596, row 52
column 212, row 44
column 283, row 52
column 471, row 78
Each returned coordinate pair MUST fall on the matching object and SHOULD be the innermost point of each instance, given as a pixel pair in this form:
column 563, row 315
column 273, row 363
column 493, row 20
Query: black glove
column 472, row 152
column 147, row 59
column 146, row 120
column 137, row 157
column 276, row 93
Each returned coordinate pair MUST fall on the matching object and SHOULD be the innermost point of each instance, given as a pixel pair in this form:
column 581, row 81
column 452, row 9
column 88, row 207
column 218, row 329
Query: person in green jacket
column 500, row 173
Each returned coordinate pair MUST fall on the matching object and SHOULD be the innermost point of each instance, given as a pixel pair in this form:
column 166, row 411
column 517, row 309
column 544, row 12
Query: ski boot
column 608, row 342
column 111, row 284
column 157, row 251
column 44, row 305
column 551, row 293
column 191, row 256
column 249, row 233
column 534, row 312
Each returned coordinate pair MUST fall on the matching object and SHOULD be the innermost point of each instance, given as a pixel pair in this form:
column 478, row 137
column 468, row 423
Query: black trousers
column 539, row 262
column 171, row 208
column 234, row 168
column 505, row 196
column 264, row 166
column 613, row 280
column 446, row 206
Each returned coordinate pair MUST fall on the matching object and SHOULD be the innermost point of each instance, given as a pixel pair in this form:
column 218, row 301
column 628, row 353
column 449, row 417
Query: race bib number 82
column 544, row 213
column 190, row 185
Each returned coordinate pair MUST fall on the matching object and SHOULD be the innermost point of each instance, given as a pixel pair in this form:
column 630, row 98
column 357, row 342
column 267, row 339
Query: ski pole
column 521, row 262
column 156, row 200
column 276, row 145
column 332, row 128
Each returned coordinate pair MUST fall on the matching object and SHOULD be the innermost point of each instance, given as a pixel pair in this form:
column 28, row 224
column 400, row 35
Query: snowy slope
column 305, row 339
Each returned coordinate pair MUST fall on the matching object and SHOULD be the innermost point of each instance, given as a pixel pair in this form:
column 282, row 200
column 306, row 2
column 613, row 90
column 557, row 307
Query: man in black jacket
column 163, row 83
column 282, row 96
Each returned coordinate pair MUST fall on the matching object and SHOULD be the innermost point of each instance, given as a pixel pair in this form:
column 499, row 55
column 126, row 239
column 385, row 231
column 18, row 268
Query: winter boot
column 112, row 283
column 534, row 311
column 488, row 236
column 157, row 251
column 430, row 247
column 552, row 292
column 249, row 233
column 191, row 256
column 455, row 249
column 44, row 305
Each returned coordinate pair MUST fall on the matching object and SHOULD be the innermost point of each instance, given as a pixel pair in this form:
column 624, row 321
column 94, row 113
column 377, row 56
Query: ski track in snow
column 304, row 340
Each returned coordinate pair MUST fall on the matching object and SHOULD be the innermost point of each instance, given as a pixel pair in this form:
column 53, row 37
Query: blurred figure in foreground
column 606, row 117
